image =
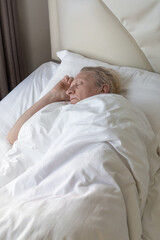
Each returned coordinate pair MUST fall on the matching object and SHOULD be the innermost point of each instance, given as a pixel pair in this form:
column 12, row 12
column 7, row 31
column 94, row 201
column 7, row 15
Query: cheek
column 84, row 92
column 91, row 90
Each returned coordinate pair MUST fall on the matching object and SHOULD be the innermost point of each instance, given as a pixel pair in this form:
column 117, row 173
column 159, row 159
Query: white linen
column 21, row 98
column 87, row 176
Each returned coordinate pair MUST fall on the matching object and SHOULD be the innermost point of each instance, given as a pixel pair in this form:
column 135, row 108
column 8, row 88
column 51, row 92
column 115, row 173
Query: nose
column 70, row 90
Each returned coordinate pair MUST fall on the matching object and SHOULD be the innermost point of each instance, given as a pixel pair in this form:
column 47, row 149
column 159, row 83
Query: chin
column 74, row 100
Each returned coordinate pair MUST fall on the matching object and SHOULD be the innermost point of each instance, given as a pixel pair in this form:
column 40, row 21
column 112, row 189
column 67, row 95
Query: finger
column 65, row 78
column 70, row 80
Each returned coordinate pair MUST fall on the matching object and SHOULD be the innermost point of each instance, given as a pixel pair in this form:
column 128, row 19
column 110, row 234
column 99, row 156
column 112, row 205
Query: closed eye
column 77, row 84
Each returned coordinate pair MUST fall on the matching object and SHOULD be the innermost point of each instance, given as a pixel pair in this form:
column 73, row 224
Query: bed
column 91, row 170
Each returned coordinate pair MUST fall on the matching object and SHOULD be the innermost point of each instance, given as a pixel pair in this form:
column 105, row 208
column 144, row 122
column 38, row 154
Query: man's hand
column 59, row 90
column 56, row 94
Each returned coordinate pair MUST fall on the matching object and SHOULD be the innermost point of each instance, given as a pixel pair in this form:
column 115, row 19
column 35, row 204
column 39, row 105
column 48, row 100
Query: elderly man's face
column 83, row 86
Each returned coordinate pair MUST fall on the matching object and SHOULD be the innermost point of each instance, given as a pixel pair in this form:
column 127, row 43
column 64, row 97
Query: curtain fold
column 11, row 61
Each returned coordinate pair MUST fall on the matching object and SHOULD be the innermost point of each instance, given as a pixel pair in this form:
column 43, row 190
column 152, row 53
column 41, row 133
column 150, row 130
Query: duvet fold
column 78, row 172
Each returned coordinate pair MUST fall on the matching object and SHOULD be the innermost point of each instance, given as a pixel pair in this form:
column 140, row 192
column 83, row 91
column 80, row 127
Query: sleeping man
column 89, row 82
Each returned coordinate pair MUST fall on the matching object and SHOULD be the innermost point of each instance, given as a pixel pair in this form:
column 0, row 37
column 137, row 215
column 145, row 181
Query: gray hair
column 105, row 76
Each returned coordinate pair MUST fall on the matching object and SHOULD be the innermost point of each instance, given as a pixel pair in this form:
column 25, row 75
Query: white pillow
column 140, row 87
column 21, row 98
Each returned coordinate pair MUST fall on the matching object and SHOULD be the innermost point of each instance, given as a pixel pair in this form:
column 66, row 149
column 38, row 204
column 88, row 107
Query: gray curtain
column 11, row 61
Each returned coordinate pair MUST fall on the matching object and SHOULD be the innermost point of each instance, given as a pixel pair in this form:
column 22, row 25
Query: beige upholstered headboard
column 111, row 31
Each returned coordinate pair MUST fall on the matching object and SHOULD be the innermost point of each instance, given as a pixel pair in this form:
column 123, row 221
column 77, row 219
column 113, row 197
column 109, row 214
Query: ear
column 105, row 88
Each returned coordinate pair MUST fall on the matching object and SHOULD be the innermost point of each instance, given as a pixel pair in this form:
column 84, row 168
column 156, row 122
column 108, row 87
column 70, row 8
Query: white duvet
column 78, row 172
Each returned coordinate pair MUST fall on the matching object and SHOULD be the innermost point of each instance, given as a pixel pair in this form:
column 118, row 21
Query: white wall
column 34, row 30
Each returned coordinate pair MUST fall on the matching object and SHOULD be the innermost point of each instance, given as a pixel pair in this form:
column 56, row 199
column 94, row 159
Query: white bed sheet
column 88, row 178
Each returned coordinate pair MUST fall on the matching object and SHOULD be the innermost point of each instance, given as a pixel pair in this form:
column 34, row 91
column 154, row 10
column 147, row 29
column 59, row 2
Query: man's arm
column 58, row 93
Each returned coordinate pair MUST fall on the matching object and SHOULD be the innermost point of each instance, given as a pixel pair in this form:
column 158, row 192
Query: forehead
column 85, row 76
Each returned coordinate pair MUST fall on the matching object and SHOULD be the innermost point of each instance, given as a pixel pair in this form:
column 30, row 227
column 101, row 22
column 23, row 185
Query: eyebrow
column 79, row 78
